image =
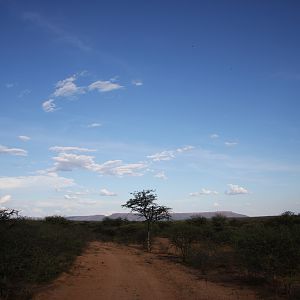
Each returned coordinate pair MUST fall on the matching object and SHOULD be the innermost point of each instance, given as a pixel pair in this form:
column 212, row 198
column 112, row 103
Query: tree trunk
column 148, row 237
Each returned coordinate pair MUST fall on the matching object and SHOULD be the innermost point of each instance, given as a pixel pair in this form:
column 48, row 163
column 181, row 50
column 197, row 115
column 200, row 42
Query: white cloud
column 69, row 161
column 38, row 181
column 169, row 154
column 231, row 144
column 70, row 197
column 214, row 136
column 105, row 192
column 9, row 85
column 12, row 151
column 161, row 175
column 216, row 204
column 67, row 87
column 164, row 155
column 5, row 199
column 234, row 189
column 203, row 192
column 137, row 82
column 49, row 105
column 92, row 125
column 78, row 193
column 194, row 194
column 104, row 86
column 70, row 149
column 24, row 138
column 127, row 169
column 186, row 148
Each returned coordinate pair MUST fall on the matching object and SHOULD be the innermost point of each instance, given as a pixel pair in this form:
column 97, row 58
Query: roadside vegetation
column 35, row 251
column 263, row 252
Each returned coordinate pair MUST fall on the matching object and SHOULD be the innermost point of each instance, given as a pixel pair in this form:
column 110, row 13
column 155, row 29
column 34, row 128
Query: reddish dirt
column 111, row 272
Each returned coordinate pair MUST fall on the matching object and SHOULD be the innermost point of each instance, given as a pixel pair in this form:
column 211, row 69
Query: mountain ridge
column 175, row 216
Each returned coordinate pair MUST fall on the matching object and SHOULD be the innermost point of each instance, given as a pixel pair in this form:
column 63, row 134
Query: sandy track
column 111, row 272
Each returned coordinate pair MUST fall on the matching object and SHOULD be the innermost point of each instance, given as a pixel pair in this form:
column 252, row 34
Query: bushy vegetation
column 271, row 250
column 265, row 251
column 36, row 251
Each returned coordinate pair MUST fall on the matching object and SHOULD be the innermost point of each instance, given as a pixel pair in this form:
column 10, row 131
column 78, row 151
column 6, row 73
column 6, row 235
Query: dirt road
column 112, row 272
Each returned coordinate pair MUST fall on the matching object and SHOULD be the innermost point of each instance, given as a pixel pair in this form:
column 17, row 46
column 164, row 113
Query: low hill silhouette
column 175, row 216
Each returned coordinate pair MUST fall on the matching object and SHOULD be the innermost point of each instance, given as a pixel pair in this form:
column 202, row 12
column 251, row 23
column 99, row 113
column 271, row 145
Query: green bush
column 197, row 221
column 133, row 233
column 36, row 251
column 270, row 252
column 57, row 220
column 182, row 236
column 200, row 258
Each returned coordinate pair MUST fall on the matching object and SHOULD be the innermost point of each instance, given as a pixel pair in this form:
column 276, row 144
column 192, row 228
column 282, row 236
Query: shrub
column 182, row 236
column 200, row 258
column 36, row 251
column 271, row 252
column 132, row 233
column 197, row 221
column 219, row 222
column 57, row 220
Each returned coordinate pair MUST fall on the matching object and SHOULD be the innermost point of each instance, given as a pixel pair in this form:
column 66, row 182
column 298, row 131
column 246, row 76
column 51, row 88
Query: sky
column 198, row 100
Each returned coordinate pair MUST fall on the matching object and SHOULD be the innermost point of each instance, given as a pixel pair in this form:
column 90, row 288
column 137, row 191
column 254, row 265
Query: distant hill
column 175, row 216
column 87, row 218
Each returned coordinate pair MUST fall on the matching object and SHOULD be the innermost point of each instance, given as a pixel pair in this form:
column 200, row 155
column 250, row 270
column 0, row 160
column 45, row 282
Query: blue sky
column 198, row 100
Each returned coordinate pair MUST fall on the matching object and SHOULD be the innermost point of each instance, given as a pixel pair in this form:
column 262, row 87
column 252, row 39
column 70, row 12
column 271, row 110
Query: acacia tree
column 8, row 214
column 143, row 204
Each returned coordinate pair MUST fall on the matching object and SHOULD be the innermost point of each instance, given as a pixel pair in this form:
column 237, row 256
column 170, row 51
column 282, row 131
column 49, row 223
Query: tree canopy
column 143, row 204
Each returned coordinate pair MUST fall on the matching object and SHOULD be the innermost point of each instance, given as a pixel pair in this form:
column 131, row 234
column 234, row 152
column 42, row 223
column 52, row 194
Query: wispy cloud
column 104, row 86
column 93, row 125
column 133, row 169
column 70, row 161
column 169, row 154
column 164, row 155
column 214, row 136
column 137, row 82
column 24, row 138
column 70, row 197
column 9, row 85
column 38, row 181
column 70, row 149
column 203, row 191
column 105, row 192
column 184, row 149
column 161, row 175
column 5, row 199
column 12, row 151
column 59, row 33
column 49, row 106
column 234, row 189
